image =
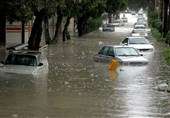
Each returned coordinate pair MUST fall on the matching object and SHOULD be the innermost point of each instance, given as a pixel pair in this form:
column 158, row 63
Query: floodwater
column 78, row 87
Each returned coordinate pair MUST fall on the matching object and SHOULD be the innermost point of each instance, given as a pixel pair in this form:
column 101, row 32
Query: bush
column 93, row 24
column 156, row 34
column 154, row 20
column 168, row 38
column 166, row 54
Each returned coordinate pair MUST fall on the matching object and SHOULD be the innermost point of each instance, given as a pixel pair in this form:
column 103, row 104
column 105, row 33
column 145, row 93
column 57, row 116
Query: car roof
column 118, row 46
column 133, row 37
column 139, row 25
column 30, row 53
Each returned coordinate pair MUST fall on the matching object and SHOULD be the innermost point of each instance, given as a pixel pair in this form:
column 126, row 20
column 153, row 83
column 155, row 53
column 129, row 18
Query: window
column 126, row 51
column 27, row 60
column 111, row 51
column 138, row 41
column 125, row 41
column 104, row 50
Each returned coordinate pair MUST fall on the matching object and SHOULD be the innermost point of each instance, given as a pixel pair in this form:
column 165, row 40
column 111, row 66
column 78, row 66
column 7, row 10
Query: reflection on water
column 78, row 87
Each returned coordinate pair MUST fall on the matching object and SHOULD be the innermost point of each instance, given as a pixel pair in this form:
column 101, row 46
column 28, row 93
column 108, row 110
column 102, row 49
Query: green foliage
column 154, row 20
column 156, row 34
column 113, row 6
column 166, row 54
column 21, row 11
column 167, row 38
column 94, row 23
column 137, row 5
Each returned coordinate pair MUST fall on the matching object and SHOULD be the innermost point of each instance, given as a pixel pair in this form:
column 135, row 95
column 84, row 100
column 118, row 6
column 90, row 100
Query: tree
column 3, row 13
column 115, row 6
column 21, row 12
column 88, row 9
column 40, row 10
column 137, row 5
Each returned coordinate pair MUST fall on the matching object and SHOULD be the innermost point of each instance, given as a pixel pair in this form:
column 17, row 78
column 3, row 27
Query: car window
column 21, row 60
column 122, row 51
column 104, row 50
column 125, row 41
column 138, row 41
column 10, row 59
column 111, row 51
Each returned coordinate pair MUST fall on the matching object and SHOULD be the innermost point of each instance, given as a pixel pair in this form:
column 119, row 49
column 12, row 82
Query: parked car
column 123, row 54
column 140, row 43
column 25, row 62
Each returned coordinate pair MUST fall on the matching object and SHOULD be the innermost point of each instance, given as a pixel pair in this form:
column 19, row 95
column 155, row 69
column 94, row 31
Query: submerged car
column 108, row 27
column 140, row 43
column 25, row 62
column 123, row 54
column 140, row 32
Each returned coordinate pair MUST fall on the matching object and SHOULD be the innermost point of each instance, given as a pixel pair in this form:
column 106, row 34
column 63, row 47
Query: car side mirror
column 40, row 64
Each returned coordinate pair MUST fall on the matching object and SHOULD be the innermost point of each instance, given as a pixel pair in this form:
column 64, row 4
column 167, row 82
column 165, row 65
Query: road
column 78, row 87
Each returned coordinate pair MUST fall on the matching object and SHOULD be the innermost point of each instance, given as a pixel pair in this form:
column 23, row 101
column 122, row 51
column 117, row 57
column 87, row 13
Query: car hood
column 141, row 46
column 132, row 59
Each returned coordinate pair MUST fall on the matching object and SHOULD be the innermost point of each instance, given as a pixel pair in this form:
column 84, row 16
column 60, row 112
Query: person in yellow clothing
column 112, row 69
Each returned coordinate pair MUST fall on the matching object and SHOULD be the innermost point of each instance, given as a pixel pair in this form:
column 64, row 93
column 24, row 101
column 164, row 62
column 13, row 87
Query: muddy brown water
column 78, row 87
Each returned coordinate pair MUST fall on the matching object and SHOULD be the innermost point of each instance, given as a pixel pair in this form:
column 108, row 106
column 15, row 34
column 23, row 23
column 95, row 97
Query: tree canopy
column 82, row 10
column 136, row 5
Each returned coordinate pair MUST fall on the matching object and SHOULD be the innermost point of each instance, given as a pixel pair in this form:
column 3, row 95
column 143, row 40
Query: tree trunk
column 2, row 30
column 165, row 20
column 81, row 25
column 109, row 18
column 35, row 37
column 46, row 27
column 58, row 26
column 161, row 15
column 23, row 32
column 66, row 34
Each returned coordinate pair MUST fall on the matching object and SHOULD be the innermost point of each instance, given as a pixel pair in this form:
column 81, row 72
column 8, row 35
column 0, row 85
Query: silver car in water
column 25, row 62
column 123, row 54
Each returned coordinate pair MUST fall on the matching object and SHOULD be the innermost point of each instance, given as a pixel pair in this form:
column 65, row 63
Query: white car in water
column 25, row 62
column 140, row 43
column 123, row 54
column 138, row 31
column 108, row 27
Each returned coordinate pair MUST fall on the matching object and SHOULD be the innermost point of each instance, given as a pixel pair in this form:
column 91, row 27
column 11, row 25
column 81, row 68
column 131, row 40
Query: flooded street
column 78, row 87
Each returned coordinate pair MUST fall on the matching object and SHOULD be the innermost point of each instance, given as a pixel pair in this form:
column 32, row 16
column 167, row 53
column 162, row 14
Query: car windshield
column 139, row 27
column 110, row 25
column 139, row 31
column 27, row 60
column 138, row 41
column 126, row 51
